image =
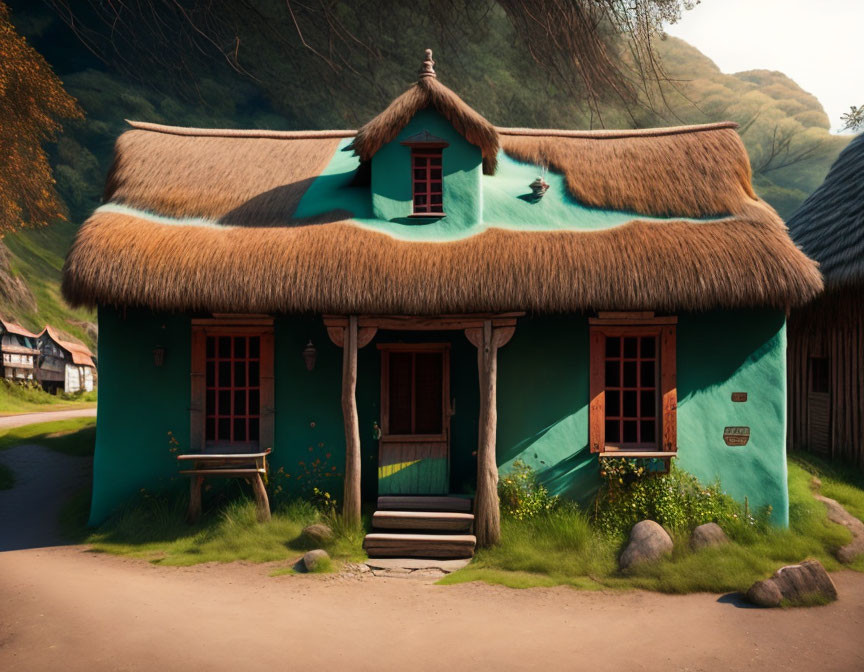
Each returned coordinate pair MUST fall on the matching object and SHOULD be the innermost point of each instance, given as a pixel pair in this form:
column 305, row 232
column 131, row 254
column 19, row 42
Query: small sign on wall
column 736, row 436
column 739, row 396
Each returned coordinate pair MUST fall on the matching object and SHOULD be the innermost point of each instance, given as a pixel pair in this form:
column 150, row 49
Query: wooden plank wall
column 834, row 328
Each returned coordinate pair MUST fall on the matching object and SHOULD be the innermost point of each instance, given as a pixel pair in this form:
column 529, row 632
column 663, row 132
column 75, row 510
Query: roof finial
column 428, row 67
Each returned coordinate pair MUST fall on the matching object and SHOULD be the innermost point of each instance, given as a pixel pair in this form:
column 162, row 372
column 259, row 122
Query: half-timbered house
column 64, row 366
column 429, row 298
column 20, row 354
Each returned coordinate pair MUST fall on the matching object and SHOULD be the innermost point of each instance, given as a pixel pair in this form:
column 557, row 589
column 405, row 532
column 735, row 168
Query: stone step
column 423, row 503
column 432, row 521
column 388, row 545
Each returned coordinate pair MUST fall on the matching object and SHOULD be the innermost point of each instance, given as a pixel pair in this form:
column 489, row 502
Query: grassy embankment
column 16, row 399
column 562, row 548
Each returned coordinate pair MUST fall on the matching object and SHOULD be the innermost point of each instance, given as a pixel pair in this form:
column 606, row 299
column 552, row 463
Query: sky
column 816, row 43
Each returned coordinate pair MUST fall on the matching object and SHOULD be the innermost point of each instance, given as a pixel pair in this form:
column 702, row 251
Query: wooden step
column 423, row 503
column 388, row 545
column 437, row 521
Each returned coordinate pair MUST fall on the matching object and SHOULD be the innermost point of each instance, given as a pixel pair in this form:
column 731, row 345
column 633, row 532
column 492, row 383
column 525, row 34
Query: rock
column 319, row 533
column 807, row 583
column 838, row 514
column 648, row 542
column 709, row 534
column 313, row 559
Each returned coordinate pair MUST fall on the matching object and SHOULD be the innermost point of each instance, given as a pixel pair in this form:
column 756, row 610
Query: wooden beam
column 351, row 498
column 364, row 335
column 425, row 322
column 487, row 515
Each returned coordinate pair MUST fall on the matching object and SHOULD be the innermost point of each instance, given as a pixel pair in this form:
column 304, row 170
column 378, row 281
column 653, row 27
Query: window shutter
column 597, row 408
column 266, row 431
column 198, row 386
column 668, row 386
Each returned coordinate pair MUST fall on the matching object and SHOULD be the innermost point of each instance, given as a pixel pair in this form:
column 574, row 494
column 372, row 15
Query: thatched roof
column 829, row 225
column 174, row 233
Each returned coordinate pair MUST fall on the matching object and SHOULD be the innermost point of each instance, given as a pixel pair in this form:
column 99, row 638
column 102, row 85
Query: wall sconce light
column 158, row 355
column 310, row 354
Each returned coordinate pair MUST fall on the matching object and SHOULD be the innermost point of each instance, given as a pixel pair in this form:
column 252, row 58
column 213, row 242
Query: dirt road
column 9, row 421
column 65, row 608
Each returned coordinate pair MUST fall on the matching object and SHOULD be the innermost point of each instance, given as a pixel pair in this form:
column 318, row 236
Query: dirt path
column 70, row 609
column 9, row 421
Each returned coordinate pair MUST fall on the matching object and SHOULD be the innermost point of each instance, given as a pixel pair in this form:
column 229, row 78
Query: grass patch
column 7, row 477
column 153, row 528
column 16, row 398
column 839, row 481
column 76, row 436
column 562, row 548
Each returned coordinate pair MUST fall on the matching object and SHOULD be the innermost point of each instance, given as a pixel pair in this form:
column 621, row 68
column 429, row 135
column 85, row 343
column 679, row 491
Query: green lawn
column 15, row 399
column 76, row 436
column 562, row 548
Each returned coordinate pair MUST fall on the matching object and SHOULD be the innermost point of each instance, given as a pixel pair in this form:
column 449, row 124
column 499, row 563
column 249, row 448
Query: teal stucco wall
column 542, row 405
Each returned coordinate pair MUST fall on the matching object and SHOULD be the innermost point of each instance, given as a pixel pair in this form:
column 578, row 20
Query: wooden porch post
column 351, row 497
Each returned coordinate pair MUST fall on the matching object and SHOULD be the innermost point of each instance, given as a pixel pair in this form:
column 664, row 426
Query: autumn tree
column 32, row 103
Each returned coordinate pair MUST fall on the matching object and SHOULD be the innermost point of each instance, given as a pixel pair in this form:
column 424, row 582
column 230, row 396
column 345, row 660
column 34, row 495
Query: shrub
column 635, row 490
column 521, row 495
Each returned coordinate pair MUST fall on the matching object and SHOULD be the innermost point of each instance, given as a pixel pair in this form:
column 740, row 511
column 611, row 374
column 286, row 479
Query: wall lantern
column 158, row 355
column 310, row 354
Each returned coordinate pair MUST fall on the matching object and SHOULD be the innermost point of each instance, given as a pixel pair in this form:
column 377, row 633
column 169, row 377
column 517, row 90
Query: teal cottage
column 402, row 311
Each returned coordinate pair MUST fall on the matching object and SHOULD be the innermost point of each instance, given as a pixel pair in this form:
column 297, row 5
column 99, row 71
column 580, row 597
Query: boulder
column 807, row 583
column 313, row 559
column 648, row 542
column 709, row 534
column 318, row 533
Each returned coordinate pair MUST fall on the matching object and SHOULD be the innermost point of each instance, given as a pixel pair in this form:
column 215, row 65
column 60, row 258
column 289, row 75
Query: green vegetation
column 76, row 436
column 521, row 495
column 19, row 398
column 153, row 528
column 840, row 482
column 561, row 547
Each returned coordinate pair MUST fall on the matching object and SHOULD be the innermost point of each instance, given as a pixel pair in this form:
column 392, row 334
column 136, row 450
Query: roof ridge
column 239, row 132
column 606, row 134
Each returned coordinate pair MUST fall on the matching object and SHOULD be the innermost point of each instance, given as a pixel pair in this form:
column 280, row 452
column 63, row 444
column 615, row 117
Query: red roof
column 17, row 329
column 81, row 354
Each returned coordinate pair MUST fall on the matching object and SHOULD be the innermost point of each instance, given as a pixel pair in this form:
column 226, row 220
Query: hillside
column 785, row 128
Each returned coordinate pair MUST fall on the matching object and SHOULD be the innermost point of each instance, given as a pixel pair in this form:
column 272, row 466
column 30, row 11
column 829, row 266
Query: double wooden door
column 414, row 447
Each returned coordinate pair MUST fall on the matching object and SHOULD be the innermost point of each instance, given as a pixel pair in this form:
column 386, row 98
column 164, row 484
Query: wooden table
column 251, row 466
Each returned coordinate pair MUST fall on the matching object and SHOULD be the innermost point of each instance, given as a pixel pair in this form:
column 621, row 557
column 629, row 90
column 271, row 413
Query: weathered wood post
column 351, row 497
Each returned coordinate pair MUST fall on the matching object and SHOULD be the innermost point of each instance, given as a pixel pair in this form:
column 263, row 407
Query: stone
column 319, row 533
column 648, row 542
column 803, row 584
column 709, row 534
column 312, row 559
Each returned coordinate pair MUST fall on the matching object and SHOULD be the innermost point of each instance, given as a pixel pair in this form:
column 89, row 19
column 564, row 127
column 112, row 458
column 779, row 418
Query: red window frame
column 663, row 330
column 631, row 386
column 233, row 386
column 427, row 181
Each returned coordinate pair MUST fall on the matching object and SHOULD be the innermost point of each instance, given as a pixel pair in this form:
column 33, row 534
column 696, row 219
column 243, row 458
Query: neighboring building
column 64, row 366
column 826, row 338
column 337, row 295
column 19, row 351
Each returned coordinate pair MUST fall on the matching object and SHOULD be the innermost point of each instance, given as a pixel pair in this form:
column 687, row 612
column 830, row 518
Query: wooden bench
column 250, row 466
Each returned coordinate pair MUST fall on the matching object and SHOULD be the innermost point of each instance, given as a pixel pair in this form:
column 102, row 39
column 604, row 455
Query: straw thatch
column 829, row 226
column 429, row 92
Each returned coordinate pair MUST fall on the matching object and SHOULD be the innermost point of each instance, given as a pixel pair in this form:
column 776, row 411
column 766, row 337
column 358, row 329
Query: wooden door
column 414, row 448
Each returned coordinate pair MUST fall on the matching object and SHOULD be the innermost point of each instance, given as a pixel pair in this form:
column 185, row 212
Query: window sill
column 427, row 215
column 647, row 454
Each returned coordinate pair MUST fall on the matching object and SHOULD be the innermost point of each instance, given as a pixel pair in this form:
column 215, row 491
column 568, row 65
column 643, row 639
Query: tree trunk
column 351, row 498
column 487, row 517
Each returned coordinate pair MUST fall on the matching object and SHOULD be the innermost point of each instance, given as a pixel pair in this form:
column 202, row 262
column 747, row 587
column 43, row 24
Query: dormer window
column 427, row 174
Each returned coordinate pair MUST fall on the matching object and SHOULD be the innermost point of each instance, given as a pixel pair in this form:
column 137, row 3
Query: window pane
column 239, row 347
column 648, row 430
column 436, row 199
column 239, row 374
column 648, row 346
column 211, row 347
column 629, row 404
column 435, row 174
column 224, row 407
column 648, row 374
column 211, row 402
column 428, row 390
column 613, row 403
column 224, row 379
column 254, row 378
column 240, row 402
column 612, row 431
column 613, row 374
column 629, row 431
column 648, row 404
column 211, row 374
column 224, row 429
column 254, row 402
column 435, row 160
column 420, row 199
column 400, row 364
column 630, row 346
column 210, row 431
column 629, row 374
column 253, row 431
column 613, row 346
column 225, row 346
column 255, row 347
column 239, row 429
column 420, row 174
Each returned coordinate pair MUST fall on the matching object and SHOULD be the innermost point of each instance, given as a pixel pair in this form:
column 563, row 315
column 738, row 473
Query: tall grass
column 24, row 398
column 76, row 436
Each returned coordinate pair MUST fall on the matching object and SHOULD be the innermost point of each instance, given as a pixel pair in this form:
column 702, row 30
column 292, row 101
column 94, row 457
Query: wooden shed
column 826, row 337
column 404, row 310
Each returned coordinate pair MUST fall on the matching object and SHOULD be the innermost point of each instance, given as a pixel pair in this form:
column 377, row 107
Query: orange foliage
column 32, row 100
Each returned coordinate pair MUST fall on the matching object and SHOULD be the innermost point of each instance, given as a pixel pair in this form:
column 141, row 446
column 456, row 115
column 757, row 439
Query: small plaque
column 736, row 436
column 739, row 396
